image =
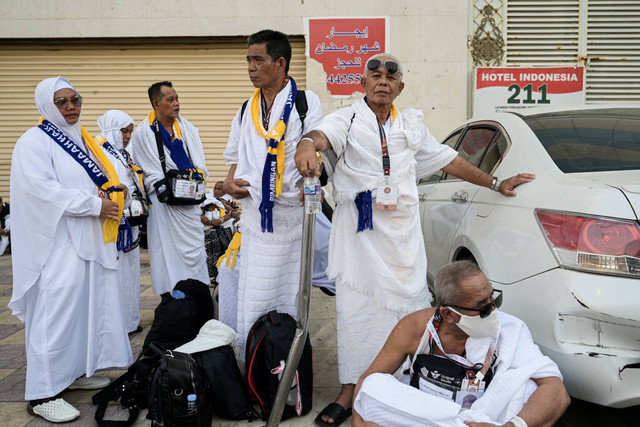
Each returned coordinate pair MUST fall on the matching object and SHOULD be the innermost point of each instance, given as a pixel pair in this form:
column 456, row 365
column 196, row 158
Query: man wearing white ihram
column 376, row 250
column 174, row 233
column 66, row 203
column 471, row 365
column 263, row 177
column 116, row 128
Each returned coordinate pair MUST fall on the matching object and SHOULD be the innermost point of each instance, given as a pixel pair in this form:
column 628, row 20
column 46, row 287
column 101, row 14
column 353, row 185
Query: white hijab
column 110, row 124
column 44, row 101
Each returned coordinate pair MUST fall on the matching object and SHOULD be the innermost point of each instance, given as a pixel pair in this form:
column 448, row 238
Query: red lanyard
column 386, row 162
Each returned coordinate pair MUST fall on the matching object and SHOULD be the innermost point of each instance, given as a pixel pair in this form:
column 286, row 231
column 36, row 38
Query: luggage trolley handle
column 302, row 324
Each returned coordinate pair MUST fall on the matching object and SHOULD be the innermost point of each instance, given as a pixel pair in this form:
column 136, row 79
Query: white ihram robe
column 381, row 273
column 384, row 400
column 174, row 233
column 270, row 263
column 64, row 276
column 110, row 124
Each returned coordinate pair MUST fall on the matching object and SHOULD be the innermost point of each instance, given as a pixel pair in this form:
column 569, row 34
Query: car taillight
column 602, row 245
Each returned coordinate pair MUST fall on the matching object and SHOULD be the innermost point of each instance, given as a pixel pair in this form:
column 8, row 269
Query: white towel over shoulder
column 388, row 402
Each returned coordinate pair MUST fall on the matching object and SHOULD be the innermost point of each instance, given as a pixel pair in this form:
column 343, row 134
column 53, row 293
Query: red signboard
column 343, row 46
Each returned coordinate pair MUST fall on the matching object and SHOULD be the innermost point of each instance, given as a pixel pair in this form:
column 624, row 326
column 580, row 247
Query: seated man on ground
column 470, row 364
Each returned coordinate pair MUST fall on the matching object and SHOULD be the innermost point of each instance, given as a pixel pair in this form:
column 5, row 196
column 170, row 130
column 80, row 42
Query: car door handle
column 460, row 196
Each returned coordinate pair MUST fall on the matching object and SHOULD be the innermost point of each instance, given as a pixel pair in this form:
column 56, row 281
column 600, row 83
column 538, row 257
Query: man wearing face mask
column 470, row 364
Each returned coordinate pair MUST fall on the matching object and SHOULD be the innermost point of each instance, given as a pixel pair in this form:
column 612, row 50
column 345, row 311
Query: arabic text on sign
column 358, row 33
column 345, row 64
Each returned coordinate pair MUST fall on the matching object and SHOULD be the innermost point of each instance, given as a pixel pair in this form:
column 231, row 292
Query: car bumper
column 589, row 325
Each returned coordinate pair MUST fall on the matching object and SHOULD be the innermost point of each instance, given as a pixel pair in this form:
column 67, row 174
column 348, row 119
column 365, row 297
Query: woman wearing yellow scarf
column 66, row 204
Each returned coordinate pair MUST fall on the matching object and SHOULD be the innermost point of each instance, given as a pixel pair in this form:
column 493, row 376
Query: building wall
column 429, row 36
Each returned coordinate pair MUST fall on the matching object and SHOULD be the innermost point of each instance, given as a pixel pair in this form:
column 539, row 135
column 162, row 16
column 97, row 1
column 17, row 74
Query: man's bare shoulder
column 413, row 325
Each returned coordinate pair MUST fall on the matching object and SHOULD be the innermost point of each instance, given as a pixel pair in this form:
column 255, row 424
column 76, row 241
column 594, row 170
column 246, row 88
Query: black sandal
column 337, row 413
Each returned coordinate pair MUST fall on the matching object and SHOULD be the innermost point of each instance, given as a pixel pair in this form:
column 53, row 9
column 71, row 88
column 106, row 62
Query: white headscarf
column 44, row 101
column 110, row 124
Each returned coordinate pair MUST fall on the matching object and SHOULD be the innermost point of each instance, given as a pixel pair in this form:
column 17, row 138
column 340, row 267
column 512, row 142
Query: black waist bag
column 229, row 394
column 442, row 372
column 179, row 394
column 176, row 188
column 268, row 345
column 138, row 212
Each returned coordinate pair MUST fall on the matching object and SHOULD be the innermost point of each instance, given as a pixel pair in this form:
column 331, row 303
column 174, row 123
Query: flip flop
column 337, row 413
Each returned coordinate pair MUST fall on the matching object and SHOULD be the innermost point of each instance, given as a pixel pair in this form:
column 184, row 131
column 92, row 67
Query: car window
column 451, row 141
column 590, row 143
column 494, row 153
column 473, row 144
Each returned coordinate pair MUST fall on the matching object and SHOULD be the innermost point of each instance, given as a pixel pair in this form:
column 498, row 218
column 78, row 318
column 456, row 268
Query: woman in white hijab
column 116, row 128
column 64, row 254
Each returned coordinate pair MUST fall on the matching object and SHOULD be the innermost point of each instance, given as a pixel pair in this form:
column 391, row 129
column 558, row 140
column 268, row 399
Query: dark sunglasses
column 390, row 66
column 63, row 102
column 485, row 310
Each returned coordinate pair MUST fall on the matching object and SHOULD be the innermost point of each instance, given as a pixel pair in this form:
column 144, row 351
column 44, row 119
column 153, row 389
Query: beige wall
column 429, row 36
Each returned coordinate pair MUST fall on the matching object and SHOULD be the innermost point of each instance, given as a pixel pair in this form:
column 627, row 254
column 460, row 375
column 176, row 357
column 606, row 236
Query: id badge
column 184, row 189
column 136, row 208
column 469, row 393
column 387, row 197
column 200, row 190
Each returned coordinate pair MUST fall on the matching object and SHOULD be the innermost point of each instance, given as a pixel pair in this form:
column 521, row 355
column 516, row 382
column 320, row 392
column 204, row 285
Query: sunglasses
column 485, row 310
column 390, row 66
column 64, row 102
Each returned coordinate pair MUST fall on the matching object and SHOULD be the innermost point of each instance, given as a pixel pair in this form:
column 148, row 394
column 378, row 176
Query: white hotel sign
column 516, row 88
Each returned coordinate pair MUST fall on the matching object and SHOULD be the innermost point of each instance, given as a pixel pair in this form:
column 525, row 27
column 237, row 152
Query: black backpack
column 131, row 389
column 178, row 321
column 179, row 394
column 230, row 397
column 268, row 345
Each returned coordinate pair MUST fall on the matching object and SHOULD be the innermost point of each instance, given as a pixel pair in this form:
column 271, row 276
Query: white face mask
column 477, row 327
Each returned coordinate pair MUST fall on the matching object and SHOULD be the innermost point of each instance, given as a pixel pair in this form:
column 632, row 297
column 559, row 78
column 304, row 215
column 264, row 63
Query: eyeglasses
column 390, row 66
column 64, row 102
column 485, row 310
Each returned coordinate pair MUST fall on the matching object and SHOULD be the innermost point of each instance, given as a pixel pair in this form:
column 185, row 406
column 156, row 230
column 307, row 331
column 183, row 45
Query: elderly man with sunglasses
column 376, row 251
column 470, row 364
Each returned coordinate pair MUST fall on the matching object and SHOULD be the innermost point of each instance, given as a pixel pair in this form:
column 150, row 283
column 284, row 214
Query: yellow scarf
column 110, row 226
column 132, row 166
column 176, row 125
column 394, row 113
column 178, row 135
column 231, row 252
column 276, row 134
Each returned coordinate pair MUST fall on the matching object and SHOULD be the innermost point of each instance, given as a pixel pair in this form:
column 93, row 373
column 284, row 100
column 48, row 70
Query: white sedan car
column 566, row 250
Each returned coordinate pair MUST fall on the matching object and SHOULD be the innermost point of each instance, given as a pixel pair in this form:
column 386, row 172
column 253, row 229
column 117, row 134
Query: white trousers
column 363, row 328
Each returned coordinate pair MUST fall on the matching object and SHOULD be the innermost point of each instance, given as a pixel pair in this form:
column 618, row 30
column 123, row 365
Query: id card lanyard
column 386, row 162
column 387, row 194
column 467, row 364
